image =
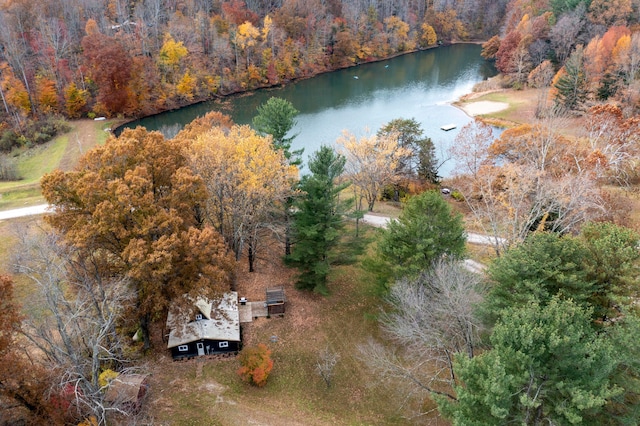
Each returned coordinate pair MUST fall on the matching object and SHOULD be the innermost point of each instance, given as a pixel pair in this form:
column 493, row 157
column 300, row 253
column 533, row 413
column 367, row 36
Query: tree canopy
column 596, row 270
column 135, row 202
column 545, row 366
column 371, row 164
column 246, row 180
column 419, row 158
column 564, row 326
column 276, row 117
column 426, row 230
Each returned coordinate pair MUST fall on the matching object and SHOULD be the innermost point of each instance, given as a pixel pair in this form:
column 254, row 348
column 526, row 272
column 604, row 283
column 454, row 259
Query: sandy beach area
column 483, row 107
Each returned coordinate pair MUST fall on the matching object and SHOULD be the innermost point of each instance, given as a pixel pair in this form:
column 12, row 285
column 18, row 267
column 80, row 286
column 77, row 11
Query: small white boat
column 448, row 127
column 355, row 76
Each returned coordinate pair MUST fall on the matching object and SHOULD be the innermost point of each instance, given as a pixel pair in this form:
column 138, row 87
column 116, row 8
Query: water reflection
column 417, row 85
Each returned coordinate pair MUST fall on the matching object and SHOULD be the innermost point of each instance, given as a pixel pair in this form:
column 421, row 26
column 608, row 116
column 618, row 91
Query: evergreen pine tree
column 572, row 86
column 318, row 219
column 276, row 117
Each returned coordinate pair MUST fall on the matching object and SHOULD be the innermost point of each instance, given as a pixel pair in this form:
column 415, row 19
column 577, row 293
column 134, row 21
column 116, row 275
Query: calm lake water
column 362, row 99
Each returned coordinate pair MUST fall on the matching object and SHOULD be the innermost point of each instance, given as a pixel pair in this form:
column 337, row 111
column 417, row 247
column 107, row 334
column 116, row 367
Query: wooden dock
column 252, row 310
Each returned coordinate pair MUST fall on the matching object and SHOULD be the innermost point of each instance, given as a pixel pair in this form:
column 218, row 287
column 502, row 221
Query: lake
column 363, row 98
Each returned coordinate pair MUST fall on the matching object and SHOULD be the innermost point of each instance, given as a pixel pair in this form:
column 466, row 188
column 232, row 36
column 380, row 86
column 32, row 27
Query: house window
column 198, row 317
column 183, row 348
column 223, row 344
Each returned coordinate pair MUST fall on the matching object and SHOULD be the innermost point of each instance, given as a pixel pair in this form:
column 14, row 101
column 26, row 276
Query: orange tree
column 256, row 364
column 136, row 206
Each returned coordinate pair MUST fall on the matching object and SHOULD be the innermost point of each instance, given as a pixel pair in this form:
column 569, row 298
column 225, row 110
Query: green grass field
column 33, row 163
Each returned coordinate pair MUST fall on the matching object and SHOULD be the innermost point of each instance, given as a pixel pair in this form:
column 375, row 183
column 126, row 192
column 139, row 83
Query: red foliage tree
column 256, row 364
column 506, row 51
column 236, row 11
column 110, row 67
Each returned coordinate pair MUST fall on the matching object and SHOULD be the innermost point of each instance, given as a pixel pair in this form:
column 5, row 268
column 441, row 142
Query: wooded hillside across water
column 134, row 58
column 138, row 57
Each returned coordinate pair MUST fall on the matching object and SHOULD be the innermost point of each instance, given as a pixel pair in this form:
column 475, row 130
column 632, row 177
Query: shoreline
column 480, row 108
column 124, row 122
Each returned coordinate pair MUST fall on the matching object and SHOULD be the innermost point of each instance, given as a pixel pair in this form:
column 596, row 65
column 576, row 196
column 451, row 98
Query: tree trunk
column 287, row 228
column 144, row 328
column 251, row 255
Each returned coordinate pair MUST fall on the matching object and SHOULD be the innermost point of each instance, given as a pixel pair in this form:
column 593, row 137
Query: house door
column 200, row 347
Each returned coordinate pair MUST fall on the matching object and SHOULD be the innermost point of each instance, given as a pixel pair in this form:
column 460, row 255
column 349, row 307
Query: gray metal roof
column 223, row 325
column 275, row 295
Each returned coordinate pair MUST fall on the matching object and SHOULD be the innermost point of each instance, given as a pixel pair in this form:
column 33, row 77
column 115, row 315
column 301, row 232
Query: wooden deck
column 252, row 310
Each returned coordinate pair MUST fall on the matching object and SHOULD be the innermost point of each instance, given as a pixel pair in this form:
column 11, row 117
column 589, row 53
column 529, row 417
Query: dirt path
column 83, row 137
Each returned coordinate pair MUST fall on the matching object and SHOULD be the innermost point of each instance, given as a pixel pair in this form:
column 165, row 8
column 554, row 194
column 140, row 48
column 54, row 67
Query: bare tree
column 430, row 320
column 511, row 201
column 470, row 148
column 326, row 363
column 613, row 142
column 564, row 35
column 73, row 319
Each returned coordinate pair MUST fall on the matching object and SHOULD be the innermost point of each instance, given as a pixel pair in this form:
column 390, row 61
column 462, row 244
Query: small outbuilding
column 215, row 329
column 275, row 301
column 127, row 391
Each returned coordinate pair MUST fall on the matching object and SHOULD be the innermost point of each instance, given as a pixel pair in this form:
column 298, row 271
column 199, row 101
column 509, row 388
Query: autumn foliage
column 256, row 364
column 135, row 205
column 137, row 58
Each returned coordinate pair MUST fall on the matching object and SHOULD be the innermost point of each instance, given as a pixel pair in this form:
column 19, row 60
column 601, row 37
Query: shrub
column 8, row 169
column 8, row 140
column 34, row 133
column 457, row 195
column 256, row 364
column 106, row 377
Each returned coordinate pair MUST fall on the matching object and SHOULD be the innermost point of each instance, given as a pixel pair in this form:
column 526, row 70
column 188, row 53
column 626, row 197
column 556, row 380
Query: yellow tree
column 398, row 31
column 246, row 179
column 187, row 86
column 428, row 35
column 75, row 100
column 171, row 55
column 372, row 163
column 246, row 37
column 135, row 204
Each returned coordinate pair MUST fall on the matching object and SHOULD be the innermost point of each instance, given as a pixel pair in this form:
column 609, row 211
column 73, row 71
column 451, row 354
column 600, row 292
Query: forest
column 75, row 58
column 548, row 333
column 134, row 58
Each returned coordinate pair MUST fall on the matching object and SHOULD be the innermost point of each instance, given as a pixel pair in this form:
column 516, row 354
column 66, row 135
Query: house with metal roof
column 215, row 328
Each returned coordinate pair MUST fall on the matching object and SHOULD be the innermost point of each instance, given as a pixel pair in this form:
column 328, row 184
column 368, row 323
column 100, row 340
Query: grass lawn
column 210, row 392
column 522, row 104
column 31, row 165
column 62, row 152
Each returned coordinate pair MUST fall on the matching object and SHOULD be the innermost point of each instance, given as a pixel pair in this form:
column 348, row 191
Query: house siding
column 211, row 347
